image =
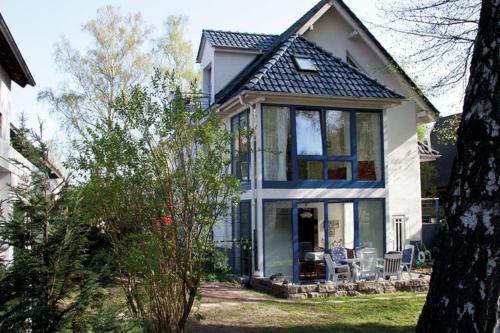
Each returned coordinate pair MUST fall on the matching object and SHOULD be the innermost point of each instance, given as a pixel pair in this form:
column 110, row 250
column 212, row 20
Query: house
column 448, row 151
column 12, row 69
column 333, row 158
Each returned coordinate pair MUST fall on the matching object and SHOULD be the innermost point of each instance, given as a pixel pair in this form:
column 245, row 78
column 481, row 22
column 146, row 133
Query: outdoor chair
column 392, row 266
column 357, row 252
column 337, row 264
column 366, row 267
column 407, row 260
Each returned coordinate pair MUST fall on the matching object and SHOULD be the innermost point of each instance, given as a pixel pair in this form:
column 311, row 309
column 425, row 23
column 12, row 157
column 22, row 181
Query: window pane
column 341, row 225
column 338, row 140
column 305, row 64
column 309, row 141
column 278, row 243
column 368, row 146
column 371, row 225
column 235, row 129
column 311, row 238
column 277, row 143
column 244, row 156
column 241, row 235
column 312, row 170
column 339, row 171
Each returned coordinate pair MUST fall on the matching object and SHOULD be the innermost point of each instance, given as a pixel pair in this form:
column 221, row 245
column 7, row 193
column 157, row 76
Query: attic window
column 305, row 64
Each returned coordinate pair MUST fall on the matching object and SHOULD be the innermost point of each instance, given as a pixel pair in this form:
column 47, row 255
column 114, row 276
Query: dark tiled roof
column 239, row 39
column 235, row 84
column 333, row 78
column 424, row 149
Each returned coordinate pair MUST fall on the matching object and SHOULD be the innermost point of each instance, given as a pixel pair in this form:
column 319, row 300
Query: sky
column 38, row 24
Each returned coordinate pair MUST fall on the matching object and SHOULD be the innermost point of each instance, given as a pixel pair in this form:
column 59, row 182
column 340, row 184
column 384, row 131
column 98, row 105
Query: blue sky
column 37, row 25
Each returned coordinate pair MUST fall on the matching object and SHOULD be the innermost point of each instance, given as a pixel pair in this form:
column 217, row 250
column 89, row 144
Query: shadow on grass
column 199, row 327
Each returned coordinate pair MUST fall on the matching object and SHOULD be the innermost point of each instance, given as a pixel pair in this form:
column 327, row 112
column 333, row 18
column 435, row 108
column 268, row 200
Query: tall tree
column 157, row 183
column 436, row 38
column 465, row 284
column 176, row 52
column 45, row 288
column 117, row 60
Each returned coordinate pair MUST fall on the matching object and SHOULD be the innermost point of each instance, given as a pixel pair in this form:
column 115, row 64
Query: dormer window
column 304, row 63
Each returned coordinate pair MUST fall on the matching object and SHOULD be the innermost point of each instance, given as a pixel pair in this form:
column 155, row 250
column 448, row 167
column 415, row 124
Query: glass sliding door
column 371, row 225
column 278, row 238
column 311, row 239
column 341, row 225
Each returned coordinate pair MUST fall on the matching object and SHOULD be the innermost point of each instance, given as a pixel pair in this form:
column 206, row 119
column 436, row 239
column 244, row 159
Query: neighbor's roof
column 333, row 77
column 11, row 59
column 424, row 149
column 245, row 40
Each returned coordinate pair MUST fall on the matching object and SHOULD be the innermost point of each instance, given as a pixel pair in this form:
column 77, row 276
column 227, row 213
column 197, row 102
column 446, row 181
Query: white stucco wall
column 10, row 172
column 228, row 65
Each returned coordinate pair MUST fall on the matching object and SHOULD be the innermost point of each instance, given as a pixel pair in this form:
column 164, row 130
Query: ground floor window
column 297, row 233
column 371, row 225
column 241, row 258
column 278, row 241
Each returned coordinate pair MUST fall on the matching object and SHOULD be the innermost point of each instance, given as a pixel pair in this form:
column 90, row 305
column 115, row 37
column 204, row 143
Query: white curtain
column 371, row 225
column 276, row 123
column 369, row 141
column 278, row 242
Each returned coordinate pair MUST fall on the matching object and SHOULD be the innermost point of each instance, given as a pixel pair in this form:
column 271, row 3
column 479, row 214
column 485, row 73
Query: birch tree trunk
column 465, row 283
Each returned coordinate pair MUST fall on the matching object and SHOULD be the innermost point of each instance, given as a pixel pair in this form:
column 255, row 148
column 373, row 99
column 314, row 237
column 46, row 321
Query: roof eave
column 27, row 78
column 368, row 102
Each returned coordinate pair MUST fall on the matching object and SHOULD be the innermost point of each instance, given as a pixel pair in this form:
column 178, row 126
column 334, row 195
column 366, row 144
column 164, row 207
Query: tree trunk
column 464, row 289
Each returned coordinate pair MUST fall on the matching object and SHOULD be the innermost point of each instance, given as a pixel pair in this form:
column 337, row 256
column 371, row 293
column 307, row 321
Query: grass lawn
column 367, row 313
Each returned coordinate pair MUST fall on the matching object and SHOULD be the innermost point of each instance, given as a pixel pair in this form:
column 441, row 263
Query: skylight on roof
column 305, row 64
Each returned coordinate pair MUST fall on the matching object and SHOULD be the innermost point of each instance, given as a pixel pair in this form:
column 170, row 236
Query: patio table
column 314, row 256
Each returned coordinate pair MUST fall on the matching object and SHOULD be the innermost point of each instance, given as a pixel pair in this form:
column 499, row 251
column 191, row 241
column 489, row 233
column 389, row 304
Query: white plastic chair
column 336, row 270
column 392, row 266
column 407, row 259
column 367, row 264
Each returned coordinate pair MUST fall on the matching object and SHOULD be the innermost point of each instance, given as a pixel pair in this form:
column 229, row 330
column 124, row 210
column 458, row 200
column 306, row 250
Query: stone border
column 295, row 291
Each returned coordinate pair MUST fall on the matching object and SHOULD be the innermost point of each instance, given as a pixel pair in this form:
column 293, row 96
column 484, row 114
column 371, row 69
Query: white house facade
column 333, row 158
column 12, row 69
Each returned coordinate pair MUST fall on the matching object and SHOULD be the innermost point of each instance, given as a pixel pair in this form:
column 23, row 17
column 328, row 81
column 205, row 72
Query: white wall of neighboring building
column 11, row 173
column 5, row 85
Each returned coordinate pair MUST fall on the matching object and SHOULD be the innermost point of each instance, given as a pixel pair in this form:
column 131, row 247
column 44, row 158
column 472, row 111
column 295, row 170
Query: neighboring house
column 334, row 156
column 427, row 153
column 12, row 69
column 448, row 152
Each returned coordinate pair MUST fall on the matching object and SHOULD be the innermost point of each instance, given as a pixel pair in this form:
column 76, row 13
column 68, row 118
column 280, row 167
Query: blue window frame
column 240, row 147
column 329, row 148
column 285, row 216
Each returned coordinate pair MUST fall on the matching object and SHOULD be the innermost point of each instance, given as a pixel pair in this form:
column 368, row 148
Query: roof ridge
column 346, row 64
column 273, row 60
column 240, row 32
